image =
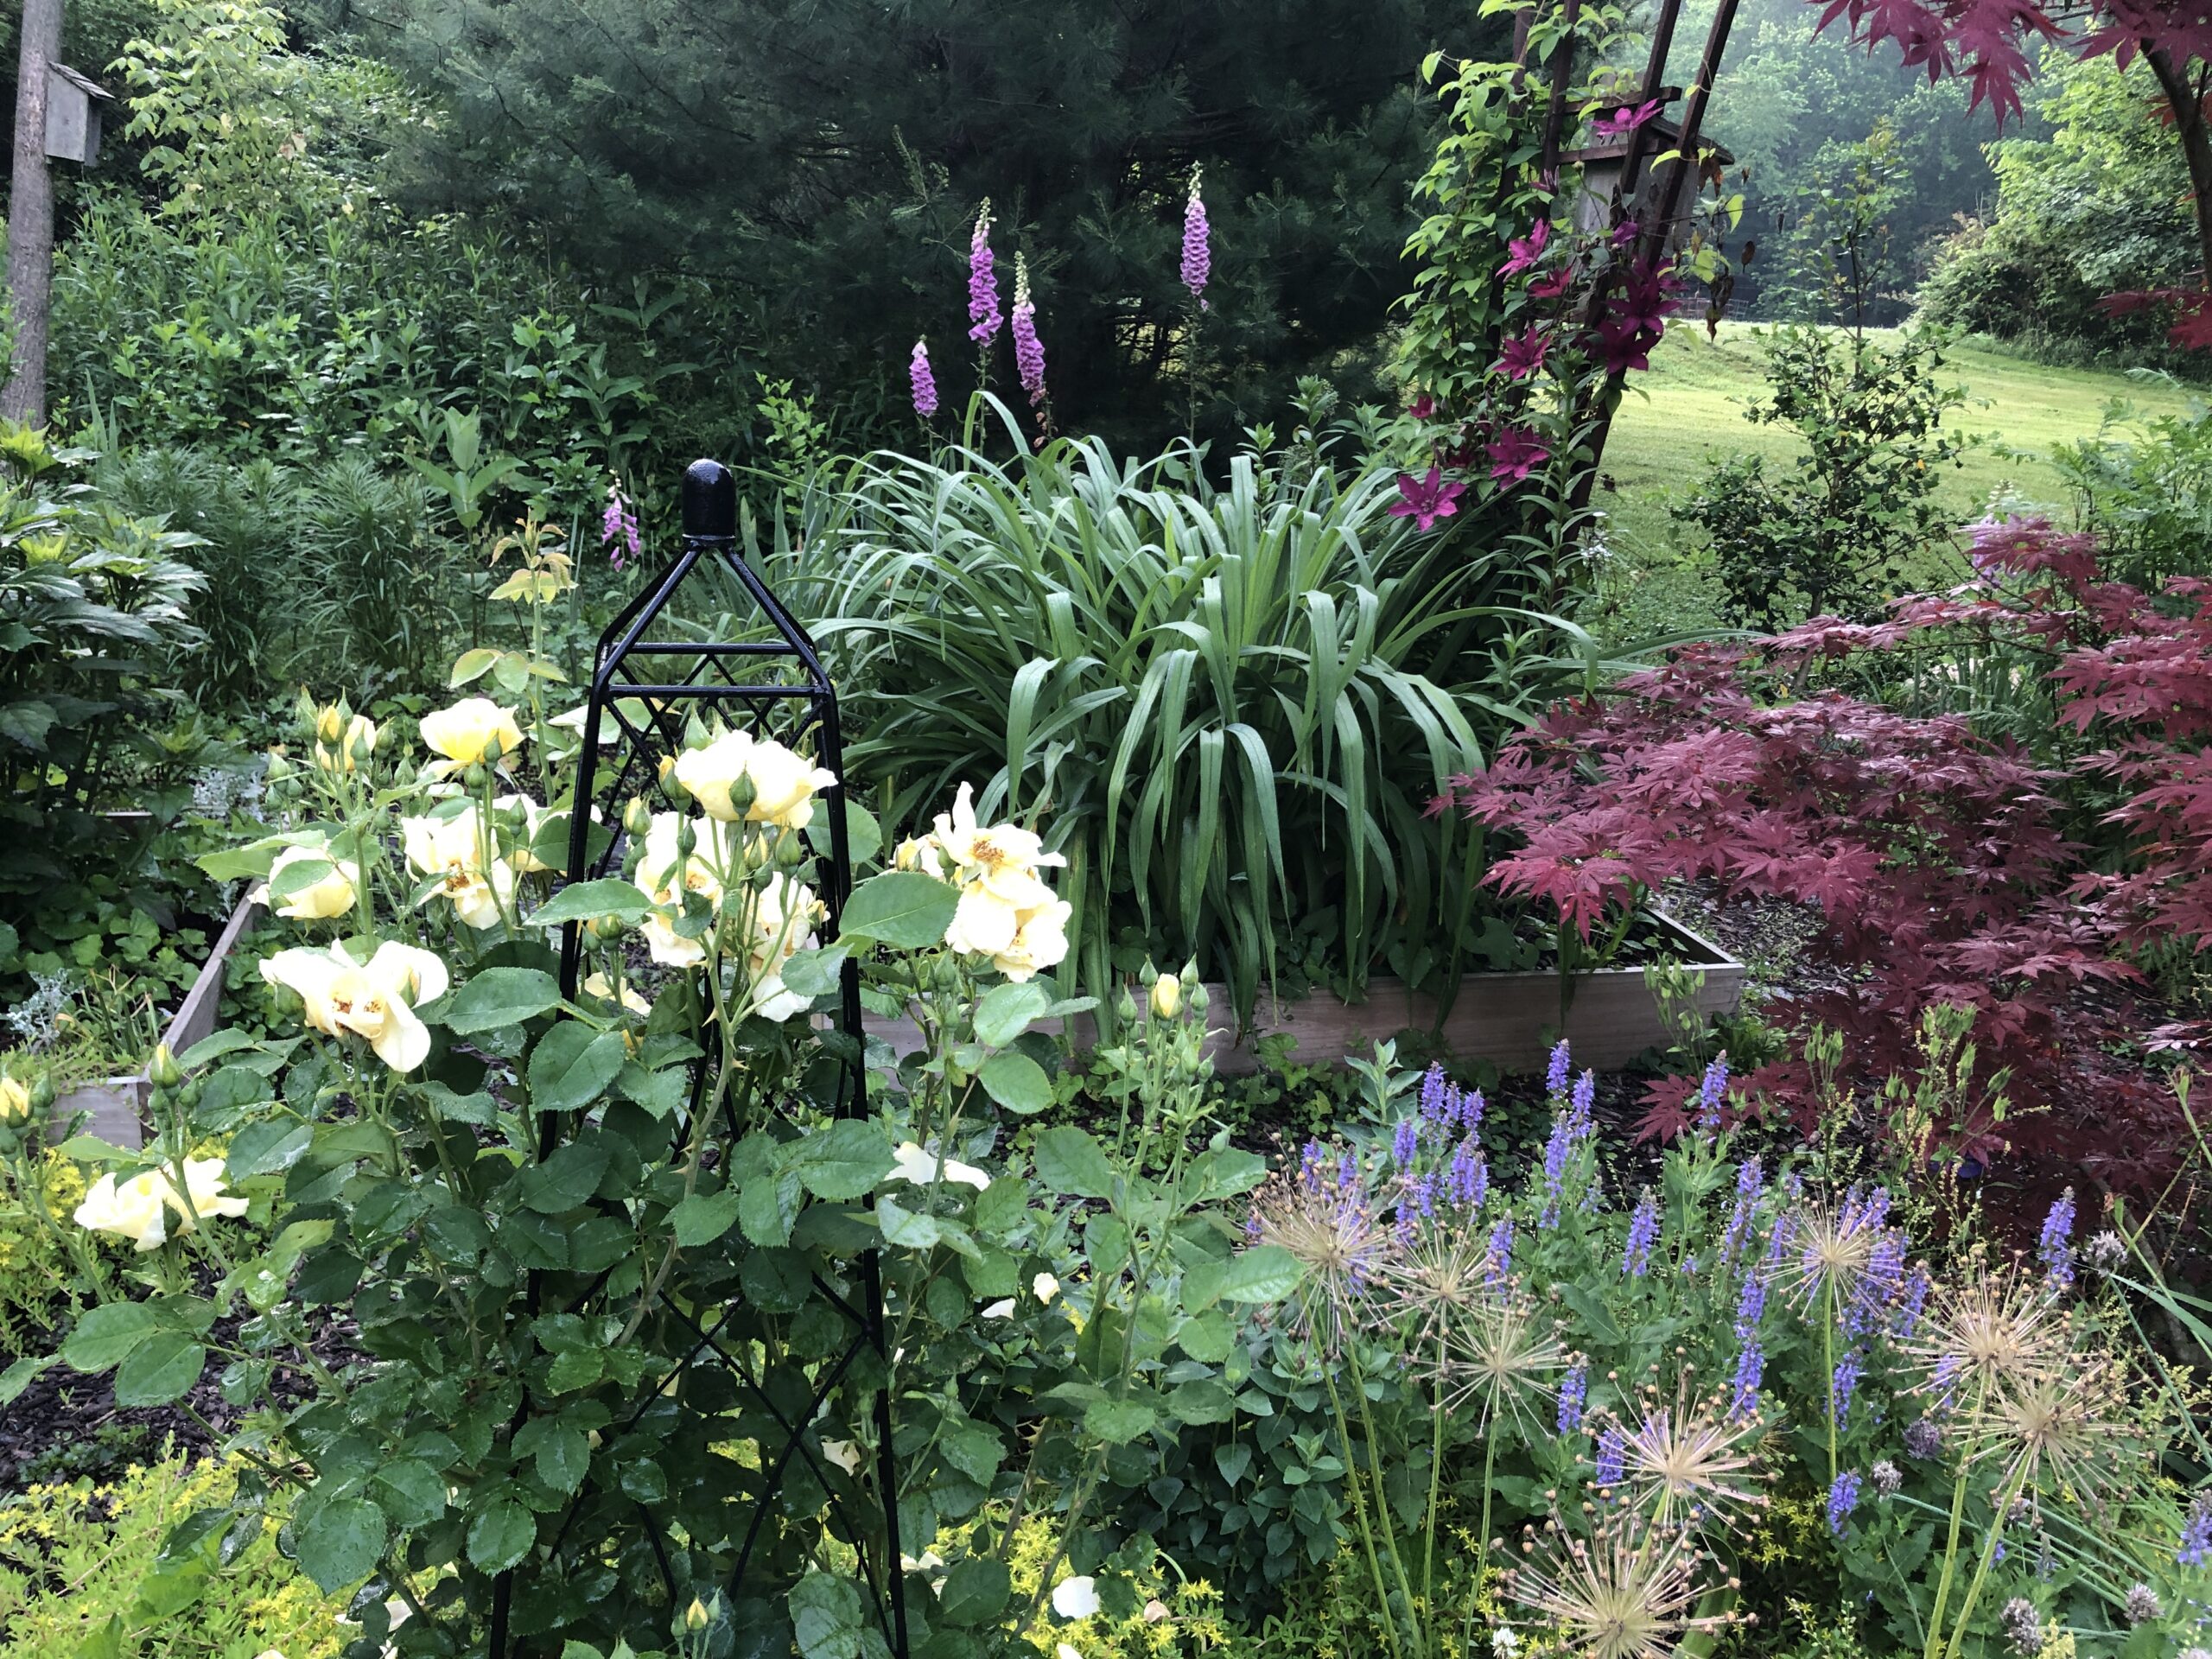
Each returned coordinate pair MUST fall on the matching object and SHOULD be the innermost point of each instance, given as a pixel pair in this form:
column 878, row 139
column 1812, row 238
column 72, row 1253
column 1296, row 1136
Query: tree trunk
column 2186, row 100
column 30, row 220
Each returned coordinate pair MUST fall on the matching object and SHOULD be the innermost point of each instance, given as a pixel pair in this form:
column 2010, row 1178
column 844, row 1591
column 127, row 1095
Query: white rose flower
column 1045, row 1286
column 913, row 1164
column 1076, row 1598
column 844, row 1453
column 1002, row 1309
column 132, row 1209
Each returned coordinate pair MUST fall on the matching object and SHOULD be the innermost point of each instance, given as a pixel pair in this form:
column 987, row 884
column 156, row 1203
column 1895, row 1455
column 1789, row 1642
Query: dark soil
column 66, row 1424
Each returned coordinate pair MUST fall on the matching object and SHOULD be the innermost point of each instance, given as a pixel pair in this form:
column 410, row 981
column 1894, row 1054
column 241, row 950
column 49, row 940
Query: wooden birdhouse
column 73, row 115
column 1602, row 186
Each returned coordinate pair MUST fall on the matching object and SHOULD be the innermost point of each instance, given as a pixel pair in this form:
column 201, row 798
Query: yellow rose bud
column 162, row 1071
column 696, row 1617
column 15, row 1102
column 1166, row 995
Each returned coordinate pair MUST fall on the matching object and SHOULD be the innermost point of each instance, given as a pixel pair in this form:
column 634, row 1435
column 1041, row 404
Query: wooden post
column 30, row 220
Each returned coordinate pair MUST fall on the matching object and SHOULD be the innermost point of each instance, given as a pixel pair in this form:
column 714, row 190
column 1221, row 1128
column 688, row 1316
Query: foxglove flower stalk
column 925, row 382
column 983, row 317
column 618, row 528
column 1028, row 350
column 1198, row 255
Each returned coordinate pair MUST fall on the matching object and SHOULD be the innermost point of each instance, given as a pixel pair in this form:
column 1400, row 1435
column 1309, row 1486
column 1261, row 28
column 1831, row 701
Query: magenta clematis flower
column 1646, row 299
column 1425, row 500
column 1197, row 253
column 1618, row 124
column 1523, row 355
column 1522, row 251
column 918, row 371
column 982, row 281
column 1514, row 453
column 1552, row 283
column 1423, row 407
column 1621, row 345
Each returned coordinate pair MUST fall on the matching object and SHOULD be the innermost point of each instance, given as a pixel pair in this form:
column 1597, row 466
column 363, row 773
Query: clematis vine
column 1426, row 500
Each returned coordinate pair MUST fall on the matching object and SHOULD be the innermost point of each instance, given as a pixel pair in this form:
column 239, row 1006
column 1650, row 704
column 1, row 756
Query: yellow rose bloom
column 374, row 1000
column 1166, row 995
column 466, row 732
column 134, row 1209
column 15, row 1102
column 330, row 896
column 784, row 784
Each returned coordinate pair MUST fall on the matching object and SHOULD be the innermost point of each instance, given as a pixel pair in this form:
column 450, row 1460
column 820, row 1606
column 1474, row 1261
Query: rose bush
column 576, row 1294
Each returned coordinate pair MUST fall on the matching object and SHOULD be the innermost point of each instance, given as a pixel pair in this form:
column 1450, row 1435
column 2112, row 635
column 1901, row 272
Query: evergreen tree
column 826, row 159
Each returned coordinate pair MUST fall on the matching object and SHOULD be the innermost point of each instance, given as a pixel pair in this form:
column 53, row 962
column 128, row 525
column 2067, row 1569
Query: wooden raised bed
column 117, row 1106
column 1502, row 1018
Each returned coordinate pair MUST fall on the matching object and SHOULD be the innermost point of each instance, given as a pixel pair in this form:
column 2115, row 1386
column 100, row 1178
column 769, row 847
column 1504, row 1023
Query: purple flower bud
column 1556, row 1073
column 2197, row 1533
column 1612, row 1455
column 618, row 528
column 1470, row 1110
column 1574, row 1392
column 1845, row 1382
column 1433, row 1093
column 1750, row 1371
column 1643, row 1234
column 2055, row 1249
column 1501, row 1252
column 1406, row 1142
column 918, row 371
column 1843, row 1498
column 1469, row 1176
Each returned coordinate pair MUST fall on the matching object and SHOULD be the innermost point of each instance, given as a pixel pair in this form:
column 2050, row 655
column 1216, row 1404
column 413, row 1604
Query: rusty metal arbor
column 724, row 1525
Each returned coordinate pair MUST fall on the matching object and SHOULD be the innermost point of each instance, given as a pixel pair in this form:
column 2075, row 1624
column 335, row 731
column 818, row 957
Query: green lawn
column 1693, row 410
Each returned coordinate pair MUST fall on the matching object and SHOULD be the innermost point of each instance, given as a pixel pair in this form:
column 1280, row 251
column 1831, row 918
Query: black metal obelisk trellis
column 645, row 688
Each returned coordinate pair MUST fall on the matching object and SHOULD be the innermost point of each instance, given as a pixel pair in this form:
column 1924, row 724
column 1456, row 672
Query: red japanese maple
column 1933, row 854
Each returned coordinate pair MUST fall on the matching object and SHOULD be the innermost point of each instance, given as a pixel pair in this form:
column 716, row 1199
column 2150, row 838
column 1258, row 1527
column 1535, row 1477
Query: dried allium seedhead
column 1504, row 1357
column 1992, row 1327
column 2061, row 1431
column 1626, row 1593
column 1693, row 1460
column 1888, row 1478
column 1327, row 1228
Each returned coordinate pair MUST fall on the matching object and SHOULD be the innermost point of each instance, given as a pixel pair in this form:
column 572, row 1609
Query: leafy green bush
column 92, row 604
column 1235, row 702
column 2145, row 496
column 1840, row 534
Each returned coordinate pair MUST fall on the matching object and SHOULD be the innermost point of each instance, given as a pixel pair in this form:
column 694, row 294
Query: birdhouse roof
column 91, row 88
column 1665, row 134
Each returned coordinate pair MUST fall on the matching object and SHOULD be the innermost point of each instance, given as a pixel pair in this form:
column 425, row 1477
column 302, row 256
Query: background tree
column 827, row 161
column 2097, row 204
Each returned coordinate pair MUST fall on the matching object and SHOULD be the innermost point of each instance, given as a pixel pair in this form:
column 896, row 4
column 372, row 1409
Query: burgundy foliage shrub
column 1936, row 855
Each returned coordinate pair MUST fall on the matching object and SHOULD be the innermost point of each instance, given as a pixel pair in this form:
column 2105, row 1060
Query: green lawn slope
column 1692, row 411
